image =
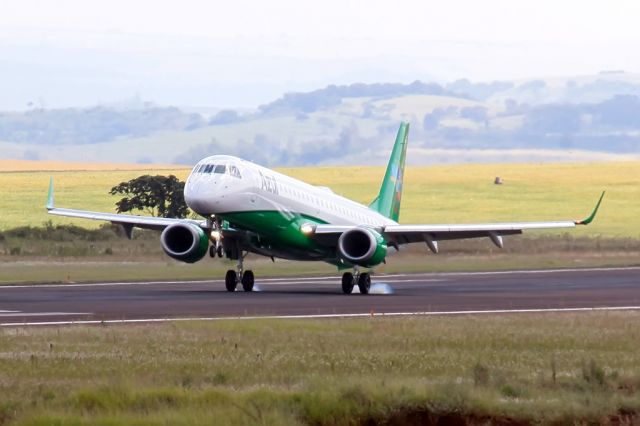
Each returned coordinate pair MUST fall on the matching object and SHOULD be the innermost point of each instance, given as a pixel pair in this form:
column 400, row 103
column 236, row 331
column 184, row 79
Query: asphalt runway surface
column 398, row 294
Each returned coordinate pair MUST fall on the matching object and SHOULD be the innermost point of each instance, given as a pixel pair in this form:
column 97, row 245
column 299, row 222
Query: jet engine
column 362, row 246
column 185, row 242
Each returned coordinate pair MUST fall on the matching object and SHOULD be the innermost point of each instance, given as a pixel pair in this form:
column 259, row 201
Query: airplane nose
column 202, row 195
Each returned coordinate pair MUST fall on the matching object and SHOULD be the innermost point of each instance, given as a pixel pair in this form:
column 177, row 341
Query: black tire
column 231, row 280
column 364, row 283
column 347, row 283
column 220, row 251
column 247, row 281
column 212, row 251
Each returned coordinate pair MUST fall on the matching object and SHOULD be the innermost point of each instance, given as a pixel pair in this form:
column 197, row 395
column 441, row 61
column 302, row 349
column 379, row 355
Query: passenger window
column 220, row 168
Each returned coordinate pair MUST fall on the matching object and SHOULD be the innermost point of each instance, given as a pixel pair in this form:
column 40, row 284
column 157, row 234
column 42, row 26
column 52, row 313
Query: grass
column 439, row 194
column 557, row 368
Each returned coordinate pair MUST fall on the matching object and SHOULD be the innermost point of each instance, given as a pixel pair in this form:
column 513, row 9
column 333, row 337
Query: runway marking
column 439, row 275
column 280, row 281
column 4, row 314
column 321, row 316
column 134, row 283
column 538, row 271
column 374, row 280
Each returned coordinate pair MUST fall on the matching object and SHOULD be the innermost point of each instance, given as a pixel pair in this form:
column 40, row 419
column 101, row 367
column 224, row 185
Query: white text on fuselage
column 269, row 184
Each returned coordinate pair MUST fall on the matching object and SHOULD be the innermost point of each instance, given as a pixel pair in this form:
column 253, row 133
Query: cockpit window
column 219, row 169
column 233, row 171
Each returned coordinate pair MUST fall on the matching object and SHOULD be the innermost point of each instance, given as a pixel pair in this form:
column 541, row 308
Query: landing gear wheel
column 347, row 283
column 220, row 251
column 247, row 280
column 212, row 251
column 364, row 283
column 231, row 280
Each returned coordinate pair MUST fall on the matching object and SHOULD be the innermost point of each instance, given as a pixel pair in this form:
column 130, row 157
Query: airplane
column 247, row 208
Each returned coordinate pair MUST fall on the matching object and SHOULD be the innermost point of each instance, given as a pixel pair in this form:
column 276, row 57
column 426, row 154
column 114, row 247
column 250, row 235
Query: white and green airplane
column 247, row 208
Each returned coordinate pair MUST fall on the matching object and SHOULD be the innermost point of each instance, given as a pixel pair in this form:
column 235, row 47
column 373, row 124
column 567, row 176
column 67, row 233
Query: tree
column 161, row 196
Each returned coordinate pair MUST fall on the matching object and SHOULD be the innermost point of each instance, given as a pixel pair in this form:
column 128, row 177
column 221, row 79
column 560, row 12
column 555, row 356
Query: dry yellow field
column 435, row 194
column 33, row 165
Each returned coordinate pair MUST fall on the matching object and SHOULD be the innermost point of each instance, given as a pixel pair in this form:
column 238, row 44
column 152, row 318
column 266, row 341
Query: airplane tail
column 387, row 203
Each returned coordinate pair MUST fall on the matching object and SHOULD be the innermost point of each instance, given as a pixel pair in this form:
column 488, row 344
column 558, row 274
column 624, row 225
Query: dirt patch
column 424, row 417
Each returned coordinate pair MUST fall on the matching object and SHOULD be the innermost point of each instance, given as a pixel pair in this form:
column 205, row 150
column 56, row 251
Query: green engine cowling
column 362, row 246
column 185, row 242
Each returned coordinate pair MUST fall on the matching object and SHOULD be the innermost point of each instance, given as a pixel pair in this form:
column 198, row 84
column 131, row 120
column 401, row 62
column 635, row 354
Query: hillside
column 583, row 116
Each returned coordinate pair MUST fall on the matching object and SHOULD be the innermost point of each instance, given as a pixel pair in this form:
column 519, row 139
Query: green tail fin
column 387, row 203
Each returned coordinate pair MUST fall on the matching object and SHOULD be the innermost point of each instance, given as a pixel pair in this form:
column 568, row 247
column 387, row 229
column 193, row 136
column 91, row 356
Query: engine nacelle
column 185, row 242
column 362, row 246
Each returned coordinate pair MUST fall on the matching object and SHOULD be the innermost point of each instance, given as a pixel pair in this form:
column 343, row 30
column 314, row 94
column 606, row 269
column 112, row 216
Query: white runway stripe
column 359, row 315
column 334, row 281
column 4, row 314
column 538, row 271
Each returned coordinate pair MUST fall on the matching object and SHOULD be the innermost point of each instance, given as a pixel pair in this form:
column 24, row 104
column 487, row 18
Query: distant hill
column 586, row 114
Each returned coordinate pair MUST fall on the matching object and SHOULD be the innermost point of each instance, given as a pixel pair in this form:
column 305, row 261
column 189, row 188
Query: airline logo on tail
column 397, row 174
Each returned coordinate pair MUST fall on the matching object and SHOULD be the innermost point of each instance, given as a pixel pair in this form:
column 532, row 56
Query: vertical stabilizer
column 387, row 203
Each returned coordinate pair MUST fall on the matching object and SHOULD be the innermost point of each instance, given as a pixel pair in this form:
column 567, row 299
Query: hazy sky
column 243, row 53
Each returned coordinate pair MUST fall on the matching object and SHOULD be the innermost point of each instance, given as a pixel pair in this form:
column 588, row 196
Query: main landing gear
column 362, row 280
column 239, row 276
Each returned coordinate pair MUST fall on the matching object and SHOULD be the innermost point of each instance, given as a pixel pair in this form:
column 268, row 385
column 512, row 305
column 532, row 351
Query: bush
column 480, row 375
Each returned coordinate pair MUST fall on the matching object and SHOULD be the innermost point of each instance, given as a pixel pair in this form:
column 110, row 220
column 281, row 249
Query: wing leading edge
column 431, row 234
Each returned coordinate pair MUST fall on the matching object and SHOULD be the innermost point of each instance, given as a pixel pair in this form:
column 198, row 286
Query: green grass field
column 508, row 369
column 440, row 194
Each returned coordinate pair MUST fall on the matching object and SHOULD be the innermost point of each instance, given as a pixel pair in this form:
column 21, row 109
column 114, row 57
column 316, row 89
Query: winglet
column 593, row 214
column 50, row 195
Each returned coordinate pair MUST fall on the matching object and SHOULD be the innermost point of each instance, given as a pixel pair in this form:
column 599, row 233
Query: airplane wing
column 430, row 234
column 126, row 220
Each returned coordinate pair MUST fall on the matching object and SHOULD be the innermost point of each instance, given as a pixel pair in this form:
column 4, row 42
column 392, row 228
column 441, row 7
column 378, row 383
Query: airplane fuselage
column 273, row 206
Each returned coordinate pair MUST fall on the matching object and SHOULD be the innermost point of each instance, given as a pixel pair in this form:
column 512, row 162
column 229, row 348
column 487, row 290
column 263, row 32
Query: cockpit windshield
column 224, row 169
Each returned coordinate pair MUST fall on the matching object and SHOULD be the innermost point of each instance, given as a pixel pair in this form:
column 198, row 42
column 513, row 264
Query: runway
column 403, row 294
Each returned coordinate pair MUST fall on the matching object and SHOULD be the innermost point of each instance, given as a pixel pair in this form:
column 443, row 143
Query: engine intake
column 185, row 242
column 362, row 246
